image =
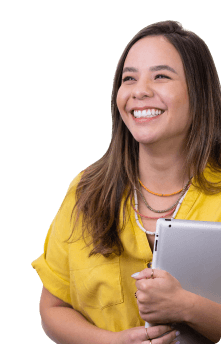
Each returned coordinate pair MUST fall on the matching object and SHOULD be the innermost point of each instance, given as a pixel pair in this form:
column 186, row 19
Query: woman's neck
column 162, row 170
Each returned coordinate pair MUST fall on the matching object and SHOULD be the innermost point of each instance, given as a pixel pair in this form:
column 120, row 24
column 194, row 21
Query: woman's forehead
column 151, row 51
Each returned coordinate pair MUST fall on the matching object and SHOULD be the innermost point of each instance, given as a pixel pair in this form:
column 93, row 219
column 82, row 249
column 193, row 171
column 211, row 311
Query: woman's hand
column 138, row 335
column 160, row 299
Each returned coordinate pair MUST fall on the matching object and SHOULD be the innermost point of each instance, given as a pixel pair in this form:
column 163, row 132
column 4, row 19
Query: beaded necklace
column 168, row 209
column 136, row 212
column 158, row 194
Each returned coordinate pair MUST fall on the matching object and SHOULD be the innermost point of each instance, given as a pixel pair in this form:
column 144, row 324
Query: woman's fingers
column 149, row 273
column 165, row 339
column 157, row 331
column 161, row 334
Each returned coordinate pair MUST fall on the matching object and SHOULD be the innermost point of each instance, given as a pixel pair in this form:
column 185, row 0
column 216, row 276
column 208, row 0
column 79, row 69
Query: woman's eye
column 127, row 78
column 161, row 76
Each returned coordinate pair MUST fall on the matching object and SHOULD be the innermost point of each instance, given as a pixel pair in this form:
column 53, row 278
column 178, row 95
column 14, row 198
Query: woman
column 166, row 108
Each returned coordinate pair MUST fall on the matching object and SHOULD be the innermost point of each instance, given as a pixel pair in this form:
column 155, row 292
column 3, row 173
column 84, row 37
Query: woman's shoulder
column 70, row 197
column 212, row 175
column 73, row 185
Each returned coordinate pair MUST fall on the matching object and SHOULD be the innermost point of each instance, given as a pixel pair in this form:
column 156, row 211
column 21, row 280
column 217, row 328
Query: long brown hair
column 101, row 188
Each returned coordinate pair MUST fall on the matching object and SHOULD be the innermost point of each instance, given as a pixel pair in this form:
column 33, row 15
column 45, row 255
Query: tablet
column 191, row 252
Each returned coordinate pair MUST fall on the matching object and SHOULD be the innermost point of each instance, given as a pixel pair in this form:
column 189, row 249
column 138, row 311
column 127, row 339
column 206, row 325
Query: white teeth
column 147, row 113
column 139, row 113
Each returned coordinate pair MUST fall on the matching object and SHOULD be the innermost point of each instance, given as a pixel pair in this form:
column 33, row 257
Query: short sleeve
column 53, row 265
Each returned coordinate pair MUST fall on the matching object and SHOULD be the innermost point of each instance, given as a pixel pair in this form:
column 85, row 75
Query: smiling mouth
column 148, row 113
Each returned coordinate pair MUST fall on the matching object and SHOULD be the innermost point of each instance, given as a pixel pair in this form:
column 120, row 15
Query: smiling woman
column 164, row 160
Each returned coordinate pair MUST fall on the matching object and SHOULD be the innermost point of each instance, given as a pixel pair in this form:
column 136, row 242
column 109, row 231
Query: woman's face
column 153, row 98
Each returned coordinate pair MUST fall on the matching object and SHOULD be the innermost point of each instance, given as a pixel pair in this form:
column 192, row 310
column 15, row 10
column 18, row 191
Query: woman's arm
column 64, row 325
column 204, row 316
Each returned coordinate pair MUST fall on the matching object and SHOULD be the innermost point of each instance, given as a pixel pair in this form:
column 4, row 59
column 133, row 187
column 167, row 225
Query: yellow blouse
column 100, row 288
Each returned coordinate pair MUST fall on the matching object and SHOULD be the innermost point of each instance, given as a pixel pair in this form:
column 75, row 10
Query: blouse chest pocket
column 96, row 281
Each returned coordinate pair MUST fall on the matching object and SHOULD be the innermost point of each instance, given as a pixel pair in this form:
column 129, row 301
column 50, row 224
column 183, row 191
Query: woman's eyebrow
column 152, row 69
column 129, row 69
column 162, row 67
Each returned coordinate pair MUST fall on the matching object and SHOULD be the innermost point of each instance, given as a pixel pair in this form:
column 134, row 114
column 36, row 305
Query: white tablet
column 191, row 252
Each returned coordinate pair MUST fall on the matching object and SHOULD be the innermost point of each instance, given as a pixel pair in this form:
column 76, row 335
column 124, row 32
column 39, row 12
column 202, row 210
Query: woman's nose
column 142, row 90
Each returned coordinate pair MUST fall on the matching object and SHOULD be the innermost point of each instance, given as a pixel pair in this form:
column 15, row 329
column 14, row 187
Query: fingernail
column 135, row 275
column 177, row 333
